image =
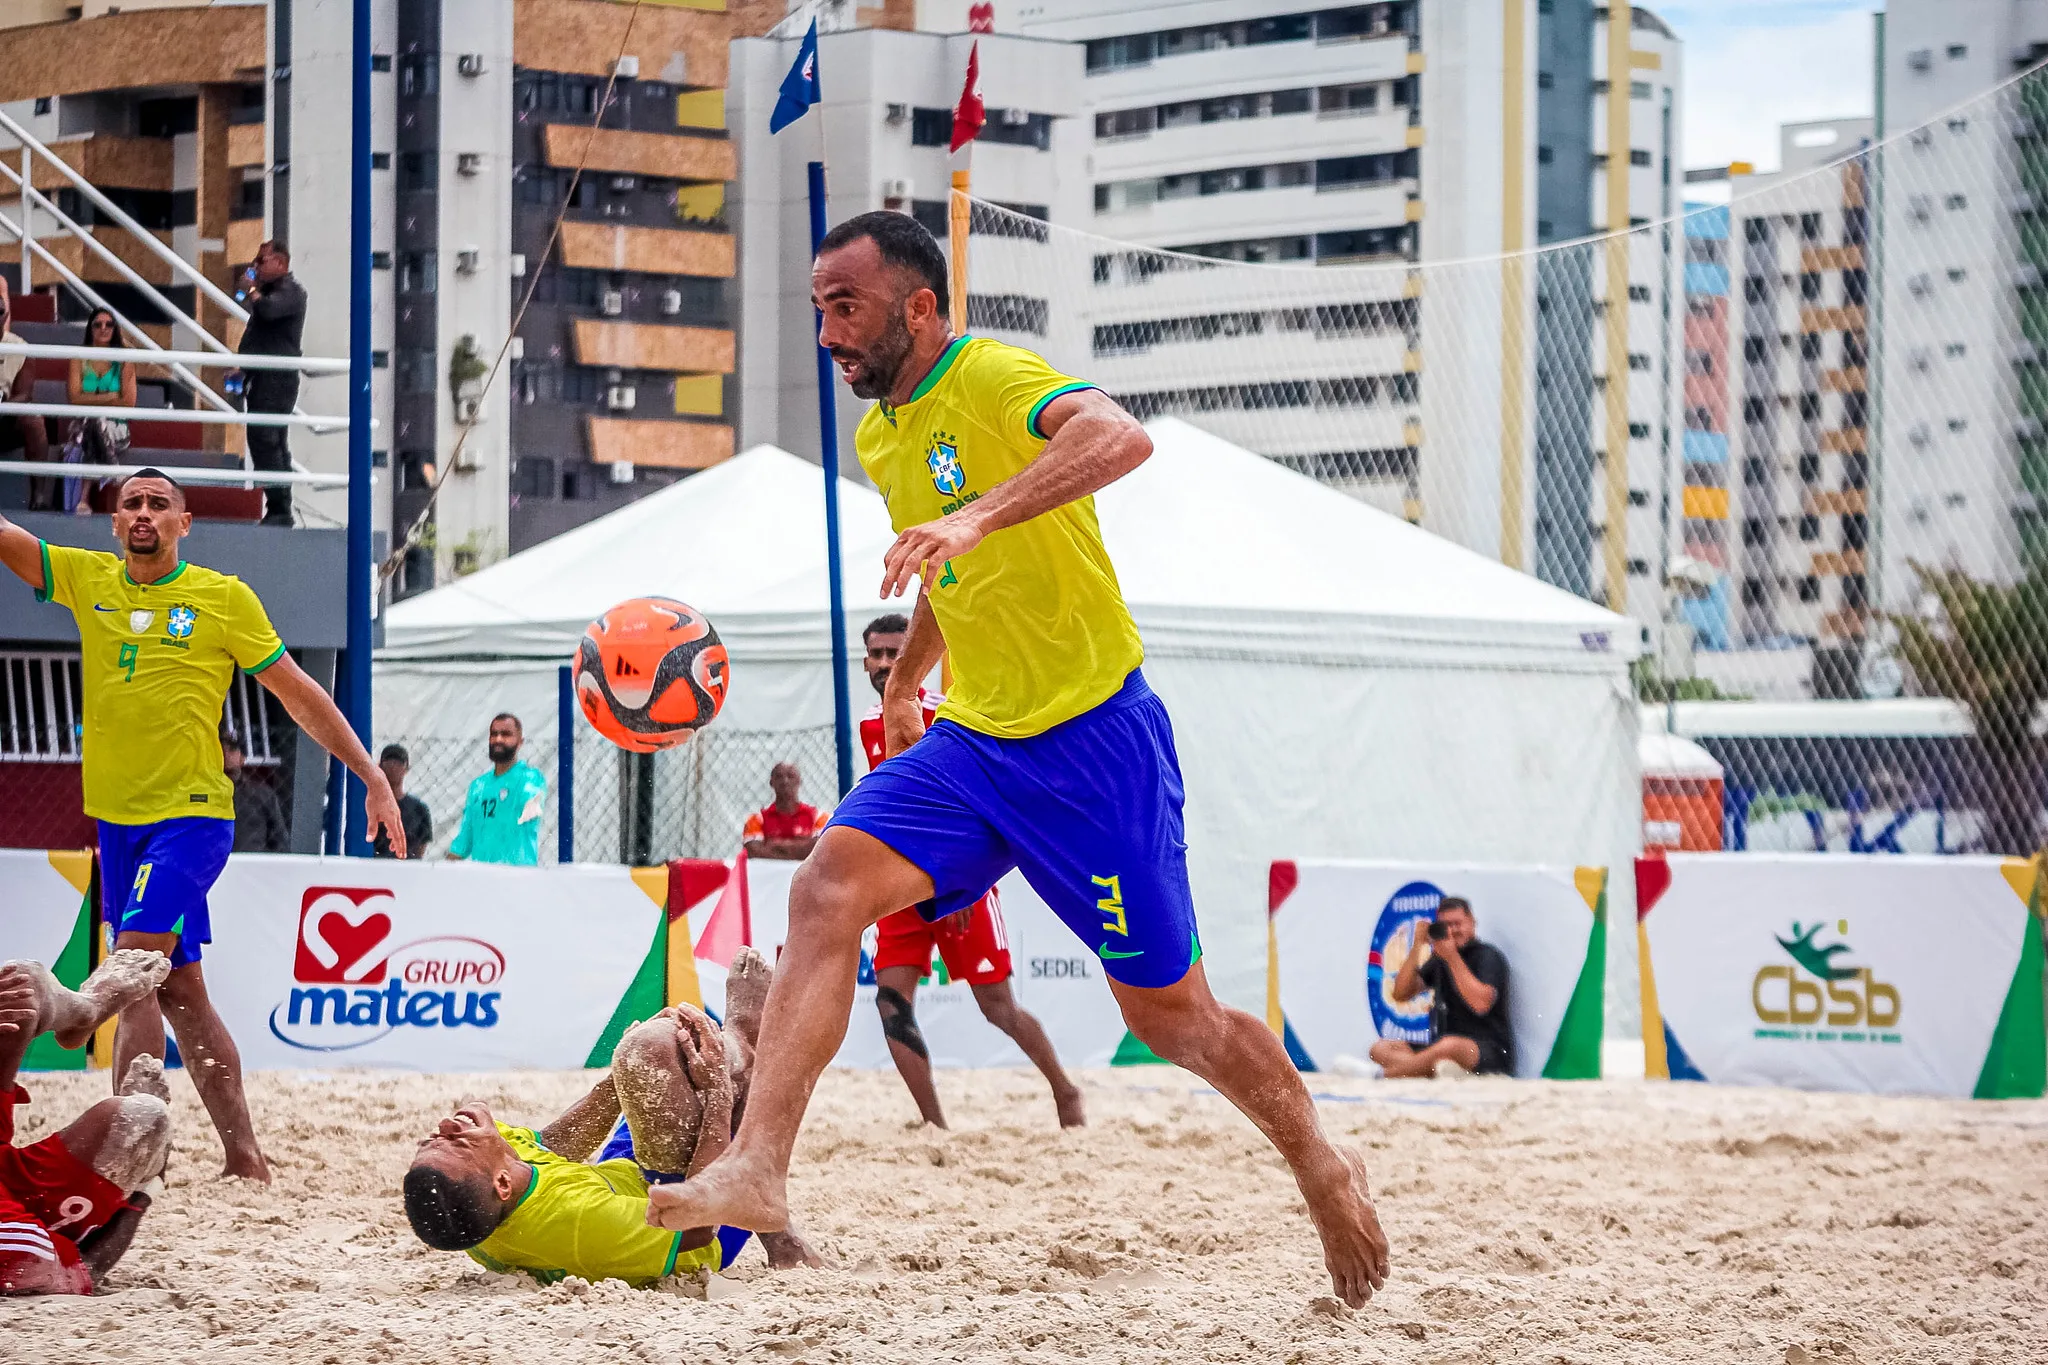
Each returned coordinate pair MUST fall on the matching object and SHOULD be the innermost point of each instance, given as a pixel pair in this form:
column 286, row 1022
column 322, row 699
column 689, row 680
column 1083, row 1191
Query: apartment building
column 882, row 130
column 1964, row 472
column 1796, row 536
column 618, row 377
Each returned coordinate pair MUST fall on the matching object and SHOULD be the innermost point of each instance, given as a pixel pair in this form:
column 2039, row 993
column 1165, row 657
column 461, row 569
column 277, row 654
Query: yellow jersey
column 157, row 659
column 1033, row 617
column 584, row 1220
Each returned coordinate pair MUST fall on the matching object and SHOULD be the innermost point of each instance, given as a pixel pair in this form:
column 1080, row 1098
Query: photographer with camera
column 1468, row 1021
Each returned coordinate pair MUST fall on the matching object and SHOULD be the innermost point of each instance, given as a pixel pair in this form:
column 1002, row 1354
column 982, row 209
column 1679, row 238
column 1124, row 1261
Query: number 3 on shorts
column 130, row 652
column 141, row 881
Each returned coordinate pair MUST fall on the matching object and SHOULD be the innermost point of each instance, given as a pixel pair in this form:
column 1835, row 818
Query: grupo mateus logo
column 356, row 979
column 1408, row 912
column 1819, row 997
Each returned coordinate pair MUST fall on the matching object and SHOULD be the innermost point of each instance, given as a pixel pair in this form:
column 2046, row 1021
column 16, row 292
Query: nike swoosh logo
column 1110, row 954
column 97, row 607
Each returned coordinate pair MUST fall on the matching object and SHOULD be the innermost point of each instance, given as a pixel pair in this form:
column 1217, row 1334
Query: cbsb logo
column 1407, row 913
column 352, row 986
column 1855, row 998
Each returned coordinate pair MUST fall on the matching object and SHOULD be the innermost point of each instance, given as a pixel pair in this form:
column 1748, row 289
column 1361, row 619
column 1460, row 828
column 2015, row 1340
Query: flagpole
column 828, row 447
column 959, row 207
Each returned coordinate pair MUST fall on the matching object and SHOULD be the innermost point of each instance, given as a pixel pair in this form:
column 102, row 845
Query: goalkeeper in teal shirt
column 501, row 814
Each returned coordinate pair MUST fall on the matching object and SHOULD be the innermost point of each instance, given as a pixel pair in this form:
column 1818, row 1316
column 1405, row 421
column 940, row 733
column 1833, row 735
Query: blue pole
column 565, row 765
column 355, row 696
column 828, row 445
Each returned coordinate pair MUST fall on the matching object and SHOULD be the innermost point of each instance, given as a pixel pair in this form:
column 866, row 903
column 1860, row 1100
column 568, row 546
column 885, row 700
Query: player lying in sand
column 70, row 1204
column 531, row 1200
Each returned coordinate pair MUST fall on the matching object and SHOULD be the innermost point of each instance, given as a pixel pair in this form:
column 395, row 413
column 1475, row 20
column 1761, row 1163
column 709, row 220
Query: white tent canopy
column 1342, row 683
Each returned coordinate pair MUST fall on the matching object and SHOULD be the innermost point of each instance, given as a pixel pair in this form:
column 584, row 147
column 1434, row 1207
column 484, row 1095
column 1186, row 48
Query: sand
column 1609, row 1221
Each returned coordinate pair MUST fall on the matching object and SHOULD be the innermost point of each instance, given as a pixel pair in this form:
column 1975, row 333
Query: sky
column 1751, row 65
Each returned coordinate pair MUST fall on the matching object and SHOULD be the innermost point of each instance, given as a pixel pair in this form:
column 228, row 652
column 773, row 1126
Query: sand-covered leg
column 125, row 977
column 670, row 1073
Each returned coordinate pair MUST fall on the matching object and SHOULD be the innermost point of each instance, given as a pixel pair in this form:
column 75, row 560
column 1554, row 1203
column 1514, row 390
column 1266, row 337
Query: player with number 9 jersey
column 159, row 642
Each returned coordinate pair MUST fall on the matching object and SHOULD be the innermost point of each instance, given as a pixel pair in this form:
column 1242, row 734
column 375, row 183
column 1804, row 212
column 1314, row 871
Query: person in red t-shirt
column 70, row 1203
column 972, row 943
column 786, row 827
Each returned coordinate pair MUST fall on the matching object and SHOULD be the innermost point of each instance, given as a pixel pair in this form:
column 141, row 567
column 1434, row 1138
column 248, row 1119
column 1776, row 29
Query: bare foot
column 1073, row 1114
column 145, row 1077
column 746, row 993
column 788, row 1250
column 732, row 1191
column 125, row 977
column 1354, row 1248
column 251, row 1166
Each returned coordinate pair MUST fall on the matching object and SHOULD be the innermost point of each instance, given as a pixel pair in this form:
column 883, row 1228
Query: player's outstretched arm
column 1091, row 443
column 22, row 553
column 584, row 1125
column 316, row 714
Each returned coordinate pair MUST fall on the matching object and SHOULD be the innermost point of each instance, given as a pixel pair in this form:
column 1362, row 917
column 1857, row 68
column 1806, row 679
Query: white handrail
column 319, row 365
column 181, row 473
column 226, row 419
column 126, row 271
column 85, row 291
column 178, row 264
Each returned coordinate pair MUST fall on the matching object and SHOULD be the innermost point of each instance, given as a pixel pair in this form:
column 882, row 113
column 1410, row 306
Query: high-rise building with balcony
column 618, row 377
column 1797, row 533
column 1963, row 475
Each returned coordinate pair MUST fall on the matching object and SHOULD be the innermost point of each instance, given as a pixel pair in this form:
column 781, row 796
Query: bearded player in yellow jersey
column 159, row 640
column 1050, row 754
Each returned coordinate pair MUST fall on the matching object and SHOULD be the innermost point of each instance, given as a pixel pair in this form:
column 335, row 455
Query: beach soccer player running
column 70, row 1203
column 973, row 943
column 159, row 641
column 1050, row 754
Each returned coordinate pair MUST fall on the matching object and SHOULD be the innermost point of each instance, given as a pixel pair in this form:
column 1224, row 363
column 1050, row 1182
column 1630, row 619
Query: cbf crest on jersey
column 180, row 622
column 942, row 457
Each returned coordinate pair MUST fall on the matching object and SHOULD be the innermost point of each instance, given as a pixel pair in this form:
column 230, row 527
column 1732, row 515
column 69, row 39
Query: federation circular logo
column 1408, row 912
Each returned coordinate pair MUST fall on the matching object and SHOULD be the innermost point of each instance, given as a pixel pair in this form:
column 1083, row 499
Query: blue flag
column 800, row 86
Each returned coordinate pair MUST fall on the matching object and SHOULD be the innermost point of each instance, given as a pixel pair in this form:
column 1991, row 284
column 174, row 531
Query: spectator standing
column 260, row 826
column 785, row 827
column 1468, row 1025
column 412, row 812
column 277, row 321
column 501, row 815
column 97, row 383
column 24, row 438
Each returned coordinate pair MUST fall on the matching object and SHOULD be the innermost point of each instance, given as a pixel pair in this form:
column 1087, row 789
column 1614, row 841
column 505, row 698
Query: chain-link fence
column 1800, row 439
column 687, row 802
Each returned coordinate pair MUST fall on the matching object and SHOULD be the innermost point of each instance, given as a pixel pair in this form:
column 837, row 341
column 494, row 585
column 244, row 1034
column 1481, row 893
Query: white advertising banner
column 1342, row 929
column 431, row 966
column 1823, row 972
column 40, row 894
column 1055, row 978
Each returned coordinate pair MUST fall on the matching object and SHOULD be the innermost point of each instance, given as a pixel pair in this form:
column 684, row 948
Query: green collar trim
column 168, row 578
column 532, row 1184
column 931, row 380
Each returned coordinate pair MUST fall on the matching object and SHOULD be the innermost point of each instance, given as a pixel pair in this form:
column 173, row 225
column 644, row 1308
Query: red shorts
column 973, row 944
column 49, row 1202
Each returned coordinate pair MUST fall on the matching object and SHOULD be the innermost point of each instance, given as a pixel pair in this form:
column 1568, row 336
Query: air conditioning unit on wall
column 619, row 397
column 896, row 189
column 469, row 412
column 1016, row 118
column 469, row 163
column 466, row 260
column 671, row 302
column 622, row 471
column 471, row 64
column 611, row 303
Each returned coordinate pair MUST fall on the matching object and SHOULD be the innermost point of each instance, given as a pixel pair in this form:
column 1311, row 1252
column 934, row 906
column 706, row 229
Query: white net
column 1797, row 440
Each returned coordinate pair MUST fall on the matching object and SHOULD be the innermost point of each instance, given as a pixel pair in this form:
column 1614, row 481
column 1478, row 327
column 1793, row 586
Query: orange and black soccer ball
column 650, row 673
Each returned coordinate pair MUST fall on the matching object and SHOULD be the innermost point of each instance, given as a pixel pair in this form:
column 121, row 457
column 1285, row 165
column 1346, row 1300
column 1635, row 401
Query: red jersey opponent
column 972, row 943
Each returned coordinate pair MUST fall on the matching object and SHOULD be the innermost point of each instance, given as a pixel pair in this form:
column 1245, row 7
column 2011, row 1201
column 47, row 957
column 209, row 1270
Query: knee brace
column 899, row 1022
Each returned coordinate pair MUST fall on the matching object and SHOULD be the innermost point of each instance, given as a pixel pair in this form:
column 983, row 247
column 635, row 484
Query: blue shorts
column 1089, row 811
column 731, row 1241
column 154, row 878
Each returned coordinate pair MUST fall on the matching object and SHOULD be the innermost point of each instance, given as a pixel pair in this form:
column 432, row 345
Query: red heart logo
column 354, row 941
column 338, row 944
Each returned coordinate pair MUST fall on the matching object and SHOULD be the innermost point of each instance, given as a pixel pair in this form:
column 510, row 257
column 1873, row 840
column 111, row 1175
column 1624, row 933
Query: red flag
column 970, row 113
column 981, row 18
